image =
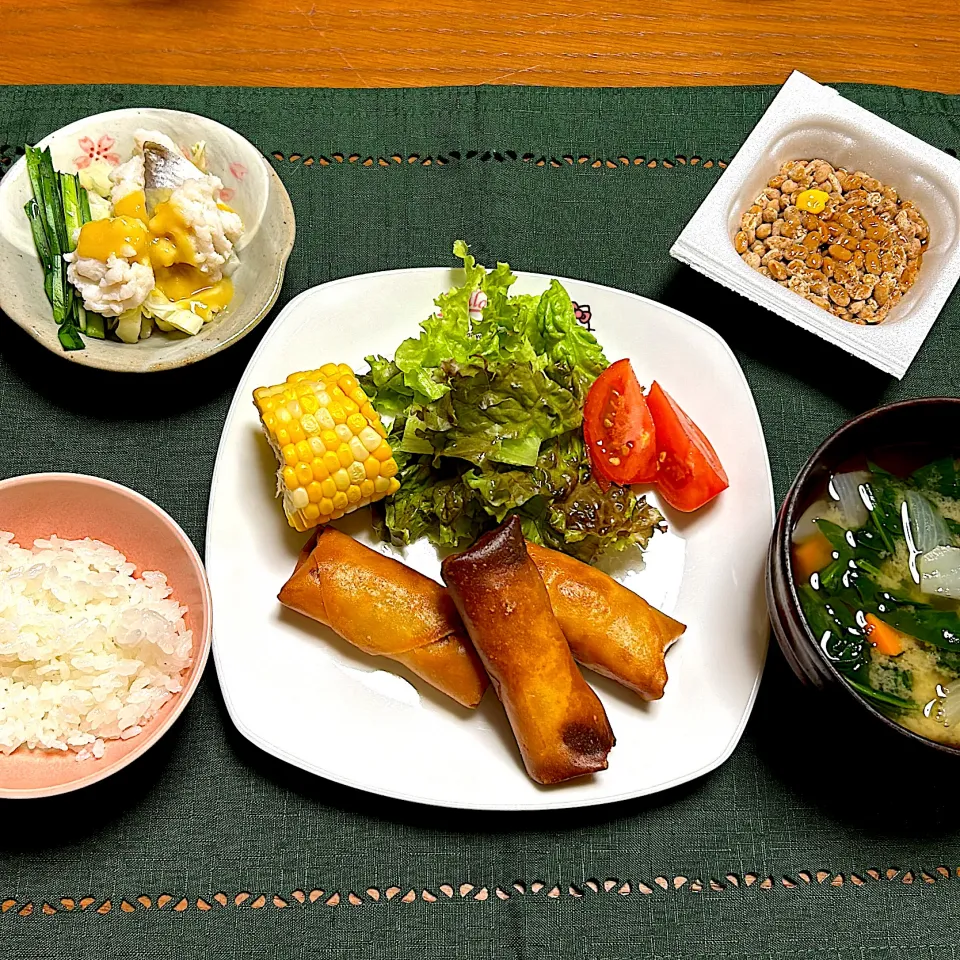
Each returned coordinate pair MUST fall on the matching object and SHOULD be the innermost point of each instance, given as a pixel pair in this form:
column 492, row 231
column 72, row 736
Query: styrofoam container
column 807, row 120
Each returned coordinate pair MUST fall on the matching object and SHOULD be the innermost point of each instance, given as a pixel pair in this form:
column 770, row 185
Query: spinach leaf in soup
column 939, row 477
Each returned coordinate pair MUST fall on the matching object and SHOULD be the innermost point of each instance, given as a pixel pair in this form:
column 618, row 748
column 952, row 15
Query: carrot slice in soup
column 887, row 639
column 811, row 555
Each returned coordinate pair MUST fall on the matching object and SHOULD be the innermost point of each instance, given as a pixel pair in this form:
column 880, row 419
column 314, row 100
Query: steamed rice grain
column 88, row 651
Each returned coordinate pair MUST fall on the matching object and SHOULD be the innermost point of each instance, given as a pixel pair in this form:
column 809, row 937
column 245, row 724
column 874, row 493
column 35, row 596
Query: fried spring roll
column 386, row 609
column 560, row 725
column 610, row 629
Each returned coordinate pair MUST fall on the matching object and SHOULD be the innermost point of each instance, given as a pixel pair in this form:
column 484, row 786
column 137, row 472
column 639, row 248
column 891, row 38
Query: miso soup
column 876, row 559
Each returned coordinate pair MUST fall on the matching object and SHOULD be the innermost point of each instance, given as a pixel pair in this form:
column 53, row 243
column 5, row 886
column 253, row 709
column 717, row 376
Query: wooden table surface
column 374, row 43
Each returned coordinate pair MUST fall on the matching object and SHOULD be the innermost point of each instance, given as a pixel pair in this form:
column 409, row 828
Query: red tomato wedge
column 690, row 472
column 618, row 428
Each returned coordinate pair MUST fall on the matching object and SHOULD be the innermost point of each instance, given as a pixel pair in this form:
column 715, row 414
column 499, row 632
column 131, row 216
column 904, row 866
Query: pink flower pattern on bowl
column 94, row 151
column 238, row 170
column 227, row 194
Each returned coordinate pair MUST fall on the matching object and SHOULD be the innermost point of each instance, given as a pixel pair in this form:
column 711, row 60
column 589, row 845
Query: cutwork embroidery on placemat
column 9, row 153
column 467, row 891
column 496, row 156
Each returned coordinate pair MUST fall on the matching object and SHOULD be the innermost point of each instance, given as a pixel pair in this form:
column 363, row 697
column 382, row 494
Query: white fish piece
column 164, row 171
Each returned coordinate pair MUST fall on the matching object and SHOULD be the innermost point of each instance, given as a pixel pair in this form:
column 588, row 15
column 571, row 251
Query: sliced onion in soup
column 845, row 489
column 939, row 571
column 928, row 529
column 950, row 706
column 806, row 526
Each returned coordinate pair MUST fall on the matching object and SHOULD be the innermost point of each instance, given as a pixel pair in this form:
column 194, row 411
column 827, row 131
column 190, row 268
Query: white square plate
column 301, row 693
column 807, row 120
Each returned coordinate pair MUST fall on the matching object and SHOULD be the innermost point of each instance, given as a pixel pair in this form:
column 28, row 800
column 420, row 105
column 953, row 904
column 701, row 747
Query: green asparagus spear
column 72, row 212
column 90, row 323
column 69, row 337
column 84, row 204
column 37, row 228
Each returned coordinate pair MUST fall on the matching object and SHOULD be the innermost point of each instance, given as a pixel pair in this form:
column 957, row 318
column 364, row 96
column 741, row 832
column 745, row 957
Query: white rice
column 88, row 652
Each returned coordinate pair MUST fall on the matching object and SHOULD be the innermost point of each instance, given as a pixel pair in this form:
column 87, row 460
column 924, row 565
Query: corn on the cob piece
column 332, row 448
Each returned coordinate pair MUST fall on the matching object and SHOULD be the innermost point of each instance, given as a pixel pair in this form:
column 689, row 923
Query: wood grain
column 376, row 43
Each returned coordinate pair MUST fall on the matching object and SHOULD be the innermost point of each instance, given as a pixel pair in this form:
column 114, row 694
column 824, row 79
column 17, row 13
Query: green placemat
column 806, row 842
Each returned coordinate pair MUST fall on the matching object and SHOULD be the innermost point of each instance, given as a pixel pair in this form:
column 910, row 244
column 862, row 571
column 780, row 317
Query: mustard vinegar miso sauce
column 876, row 560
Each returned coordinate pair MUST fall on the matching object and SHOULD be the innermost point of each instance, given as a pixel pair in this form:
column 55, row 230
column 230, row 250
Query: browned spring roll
column 559, row 723
column 386, row 609
column 609, row 628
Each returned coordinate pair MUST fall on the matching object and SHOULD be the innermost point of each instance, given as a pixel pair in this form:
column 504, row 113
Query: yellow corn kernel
column 355, row 472
column 388, row 468
column 328, row 487
column 345, row 454
column 367, row 410
column 366, row 489
column 348, row 382
column 341, row 478
column 350, row 407
column 394, row 486
column 353, row 493
column 317, row 447
column 309, row 424
column 283, row 416
column 293, row 408
column 320, row 472
column 289, row 453
column 381, row 485
column 311, row 511
column 283, row 436
column 331, row 461
column 357, row 423
column 340, row 501
column 326, row 506
column 303, row 450
column 369, row 438
column 329, row 370
column 337, row 412
column 296, row 433
column 290, row 478
column 330, row 439
column 383, row 452
column 324, row 419
column 360, row 398
column 314, row 492
column 343, row 432
column 300, row 498
column 304, row 473
column 357, row 448
column 310, row 403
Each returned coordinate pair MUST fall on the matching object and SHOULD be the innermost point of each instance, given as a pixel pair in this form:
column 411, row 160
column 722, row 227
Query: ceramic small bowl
column 73, row 506
column 252, row 188
column 922, row 421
